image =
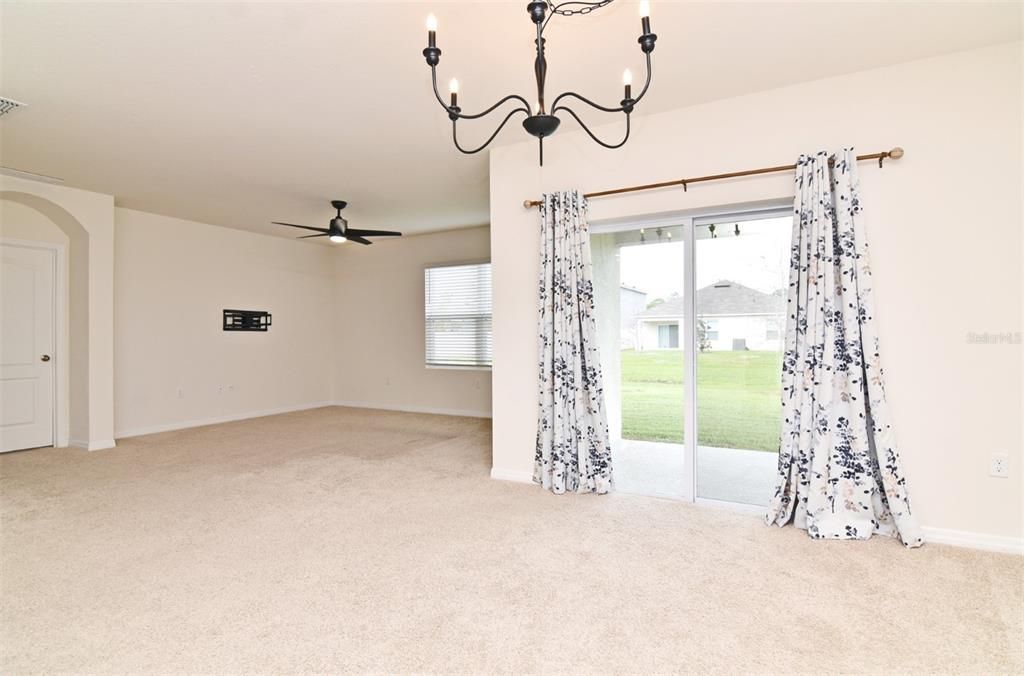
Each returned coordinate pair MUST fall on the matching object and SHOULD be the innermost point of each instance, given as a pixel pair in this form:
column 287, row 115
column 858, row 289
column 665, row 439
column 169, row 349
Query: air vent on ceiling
column 7, row 105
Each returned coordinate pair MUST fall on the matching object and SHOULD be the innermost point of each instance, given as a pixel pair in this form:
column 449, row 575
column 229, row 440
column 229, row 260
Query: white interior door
column 27, row 281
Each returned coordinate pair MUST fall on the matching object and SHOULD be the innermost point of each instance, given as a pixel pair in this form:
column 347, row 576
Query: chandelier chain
column 587, row 7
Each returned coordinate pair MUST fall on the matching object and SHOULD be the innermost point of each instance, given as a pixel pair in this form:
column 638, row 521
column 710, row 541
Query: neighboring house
column 631, row 303
column 736, row 317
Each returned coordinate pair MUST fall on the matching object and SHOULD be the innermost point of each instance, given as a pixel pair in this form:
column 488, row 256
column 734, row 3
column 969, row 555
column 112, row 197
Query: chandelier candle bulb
column 645, row 16
column 627, row 80
column 432, row 31
column 453, row 89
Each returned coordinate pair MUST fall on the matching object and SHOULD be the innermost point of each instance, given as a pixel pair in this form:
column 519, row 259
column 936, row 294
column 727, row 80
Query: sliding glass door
column 692, row 314
column 742, row 274
column 649, row 457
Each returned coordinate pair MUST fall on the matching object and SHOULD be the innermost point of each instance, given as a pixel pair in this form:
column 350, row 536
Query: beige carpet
column 348, row 540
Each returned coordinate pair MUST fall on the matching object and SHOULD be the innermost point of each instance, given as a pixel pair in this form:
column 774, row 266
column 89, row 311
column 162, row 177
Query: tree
column 703, row 344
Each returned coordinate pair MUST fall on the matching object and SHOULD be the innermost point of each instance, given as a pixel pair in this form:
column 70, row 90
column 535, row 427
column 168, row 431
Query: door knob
column 45, row 357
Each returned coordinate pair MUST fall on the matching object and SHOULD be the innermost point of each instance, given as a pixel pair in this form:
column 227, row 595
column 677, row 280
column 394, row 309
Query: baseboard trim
column 511, row 475
column 463, row 413
column 216, row 420
column 100, row 445
column 202, row 422
column 961, row 538
column 943, row 536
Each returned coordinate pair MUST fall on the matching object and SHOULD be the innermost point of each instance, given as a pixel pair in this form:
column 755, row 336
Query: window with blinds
column 458, row 309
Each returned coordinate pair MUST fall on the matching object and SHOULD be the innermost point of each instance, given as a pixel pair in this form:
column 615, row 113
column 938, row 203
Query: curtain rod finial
column 896, row 153
column 529, row 203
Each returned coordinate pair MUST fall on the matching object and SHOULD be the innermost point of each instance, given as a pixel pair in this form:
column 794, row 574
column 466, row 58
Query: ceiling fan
column 338, row 231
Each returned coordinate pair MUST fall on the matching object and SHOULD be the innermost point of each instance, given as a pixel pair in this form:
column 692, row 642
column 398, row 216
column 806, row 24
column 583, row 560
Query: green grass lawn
column 737, row 398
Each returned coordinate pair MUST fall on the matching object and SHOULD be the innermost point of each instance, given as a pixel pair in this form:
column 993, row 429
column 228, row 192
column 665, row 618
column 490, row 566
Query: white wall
column 380, row 340
column 751, row 329
column 944, row 225
column 163, row 361
column 173, row 279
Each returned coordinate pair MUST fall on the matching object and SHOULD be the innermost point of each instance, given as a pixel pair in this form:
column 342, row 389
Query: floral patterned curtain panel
column 573, row 447
column 839, row 470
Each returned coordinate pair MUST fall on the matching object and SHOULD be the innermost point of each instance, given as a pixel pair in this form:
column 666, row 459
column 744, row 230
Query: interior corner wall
column 88, row 220
column 380, row 339
column 944, row 225
column 175, row 367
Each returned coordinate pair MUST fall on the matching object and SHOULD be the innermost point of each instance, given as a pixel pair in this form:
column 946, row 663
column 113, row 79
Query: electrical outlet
column 181, row 393
column 1000, row 465
column 231, row 388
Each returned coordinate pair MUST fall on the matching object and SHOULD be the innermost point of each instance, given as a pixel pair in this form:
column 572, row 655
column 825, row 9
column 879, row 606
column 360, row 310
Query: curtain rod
column 896, row 153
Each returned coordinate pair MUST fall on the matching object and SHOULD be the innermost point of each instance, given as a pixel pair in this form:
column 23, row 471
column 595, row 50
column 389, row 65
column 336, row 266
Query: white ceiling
column 237, row 114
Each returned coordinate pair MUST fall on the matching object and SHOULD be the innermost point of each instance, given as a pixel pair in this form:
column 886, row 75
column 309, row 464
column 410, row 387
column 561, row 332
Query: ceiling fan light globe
column 337, row 239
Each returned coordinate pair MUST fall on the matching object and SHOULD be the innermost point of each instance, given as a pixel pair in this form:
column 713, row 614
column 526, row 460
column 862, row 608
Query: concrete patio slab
column 729, row 474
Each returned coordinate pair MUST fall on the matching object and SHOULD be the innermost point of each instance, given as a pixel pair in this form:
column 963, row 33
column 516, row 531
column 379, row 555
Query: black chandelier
column 540, row 121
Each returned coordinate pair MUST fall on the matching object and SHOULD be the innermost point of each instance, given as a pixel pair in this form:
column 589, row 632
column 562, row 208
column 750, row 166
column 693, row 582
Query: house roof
column 724, row 297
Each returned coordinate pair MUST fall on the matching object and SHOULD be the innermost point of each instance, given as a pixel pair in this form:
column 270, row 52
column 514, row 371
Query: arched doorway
column 72, row 345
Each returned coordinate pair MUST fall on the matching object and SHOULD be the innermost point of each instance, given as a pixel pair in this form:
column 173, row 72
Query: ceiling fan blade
column 373, row 233
column 356, row 238
column 304, row 227
column 322, row 234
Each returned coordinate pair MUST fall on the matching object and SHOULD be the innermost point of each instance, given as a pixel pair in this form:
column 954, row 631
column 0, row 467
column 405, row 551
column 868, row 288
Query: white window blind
column 458, row 307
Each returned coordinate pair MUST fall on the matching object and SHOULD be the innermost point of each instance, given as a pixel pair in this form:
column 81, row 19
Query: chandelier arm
column 647, row 83
column 610, row 146
column 621, row 108
column 585, row 100
column 510, row 97
column 486, row 143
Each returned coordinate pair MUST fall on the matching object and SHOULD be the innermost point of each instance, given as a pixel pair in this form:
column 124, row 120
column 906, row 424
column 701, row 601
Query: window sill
column 455, row 367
